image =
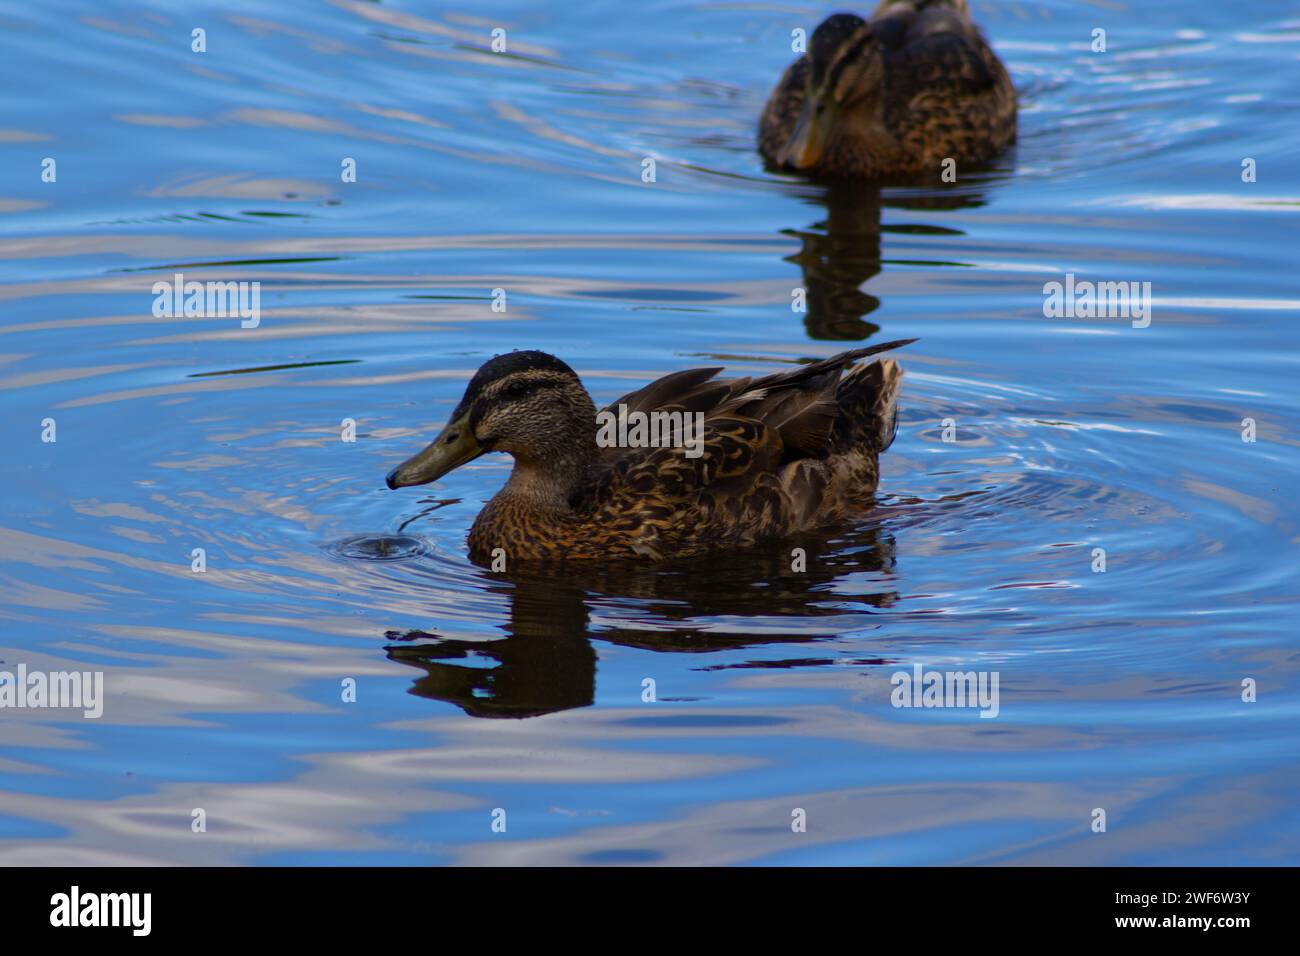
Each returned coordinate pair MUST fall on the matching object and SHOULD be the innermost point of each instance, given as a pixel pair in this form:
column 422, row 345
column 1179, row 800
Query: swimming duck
column 776, row 455
column 894, row 95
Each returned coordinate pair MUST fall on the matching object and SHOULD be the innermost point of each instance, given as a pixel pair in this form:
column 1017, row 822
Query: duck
column 733, row 461
column 892, row 96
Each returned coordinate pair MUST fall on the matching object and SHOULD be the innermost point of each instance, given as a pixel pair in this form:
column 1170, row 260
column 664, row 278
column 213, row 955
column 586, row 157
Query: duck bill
column 808, row 141
column 455, row 446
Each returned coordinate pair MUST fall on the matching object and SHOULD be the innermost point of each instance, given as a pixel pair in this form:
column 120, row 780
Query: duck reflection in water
column 547, row 661
column 839, row 253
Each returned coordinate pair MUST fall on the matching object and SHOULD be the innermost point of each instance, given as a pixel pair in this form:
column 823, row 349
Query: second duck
column 895, row 95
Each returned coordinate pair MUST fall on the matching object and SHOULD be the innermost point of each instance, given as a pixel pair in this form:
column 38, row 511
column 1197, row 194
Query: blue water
column 477, row 692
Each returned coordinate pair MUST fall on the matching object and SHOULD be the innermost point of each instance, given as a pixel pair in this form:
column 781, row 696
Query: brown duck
column 895, row 95
column 776, row 455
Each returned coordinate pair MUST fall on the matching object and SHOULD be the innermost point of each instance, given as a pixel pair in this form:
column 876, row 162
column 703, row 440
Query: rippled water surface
column 476, row 691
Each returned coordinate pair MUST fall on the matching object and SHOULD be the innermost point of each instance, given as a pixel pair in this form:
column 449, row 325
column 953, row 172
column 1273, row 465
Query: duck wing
column 933, row 48
column 810, row 411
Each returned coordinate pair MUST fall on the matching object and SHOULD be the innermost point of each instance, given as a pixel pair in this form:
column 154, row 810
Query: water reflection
column 547, row 662
column 840, row 253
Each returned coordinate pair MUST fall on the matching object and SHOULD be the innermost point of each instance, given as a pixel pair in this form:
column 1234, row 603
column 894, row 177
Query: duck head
column 842, row 89
column 528, row 404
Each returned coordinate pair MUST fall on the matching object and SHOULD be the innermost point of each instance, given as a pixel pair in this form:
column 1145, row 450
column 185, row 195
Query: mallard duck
column 776, row 455
column 894, row 95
